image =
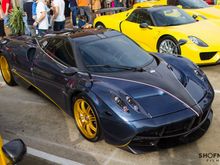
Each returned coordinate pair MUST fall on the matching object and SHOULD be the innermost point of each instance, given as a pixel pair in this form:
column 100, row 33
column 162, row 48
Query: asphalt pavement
column 27, row 115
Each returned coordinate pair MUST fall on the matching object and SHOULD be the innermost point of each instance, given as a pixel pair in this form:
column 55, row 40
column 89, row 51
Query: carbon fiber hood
column 160, row 90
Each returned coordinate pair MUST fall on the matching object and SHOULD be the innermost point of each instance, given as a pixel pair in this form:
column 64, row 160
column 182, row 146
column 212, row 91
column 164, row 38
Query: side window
column 43, row 42
column 64, row 53
column 50, row 46
column 61, row 50
column 140, row 16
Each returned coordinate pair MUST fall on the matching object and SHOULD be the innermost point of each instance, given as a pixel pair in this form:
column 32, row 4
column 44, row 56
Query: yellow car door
column 138, row 26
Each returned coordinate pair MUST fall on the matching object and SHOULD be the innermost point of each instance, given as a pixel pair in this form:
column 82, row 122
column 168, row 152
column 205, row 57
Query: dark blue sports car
column 112, row 87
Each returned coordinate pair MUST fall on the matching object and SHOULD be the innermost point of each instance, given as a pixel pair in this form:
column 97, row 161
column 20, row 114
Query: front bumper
column 195, row 130
column 201, row 55
column 149, row 132
column 121, row 132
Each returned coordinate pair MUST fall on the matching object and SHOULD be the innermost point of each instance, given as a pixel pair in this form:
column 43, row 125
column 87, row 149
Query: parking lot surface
column 27, row 115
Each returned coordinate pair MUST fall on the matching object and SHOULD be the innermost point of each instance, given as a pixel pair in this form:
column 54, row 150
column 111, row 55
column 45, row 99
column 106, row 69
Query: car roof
column 86, row 35
column 157, row 8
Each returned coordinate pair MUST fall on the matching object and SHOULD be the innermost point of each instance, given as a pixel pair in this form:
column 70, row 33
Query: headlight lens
column 132, row 103
column 198, row 41
column 126, row 103
column 121, row 103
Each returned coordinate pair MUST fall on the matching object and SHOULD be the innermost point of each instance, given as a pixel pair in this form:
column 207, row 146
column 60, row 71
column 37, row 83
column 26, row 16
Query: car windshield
column 113, row 54
column 171, row 17
column 193, row 4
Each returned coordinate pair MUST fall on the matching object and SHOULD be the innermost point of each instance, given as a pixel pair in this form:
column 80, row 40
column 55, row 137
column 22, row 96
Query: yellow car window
column 140, row 16
column 172, row 13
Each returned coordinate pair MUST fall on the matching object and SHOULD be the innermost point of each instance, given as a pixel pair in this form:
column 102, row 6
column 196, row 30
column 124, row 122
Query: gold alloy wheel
column 5, row 69
column 85, row 118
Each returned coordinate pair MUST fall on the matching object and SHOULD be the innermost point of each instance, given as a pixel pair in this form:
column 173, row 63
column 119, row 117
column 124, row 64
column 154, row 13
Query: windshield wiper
column 137, row 69
column 172, row 24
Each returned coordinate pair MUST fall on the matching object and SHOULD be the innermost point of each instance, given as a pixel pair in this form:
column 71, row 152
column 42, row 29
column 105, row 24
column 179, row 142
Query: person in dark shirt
column 2, row 29
column 27, row 7
column 74, row 10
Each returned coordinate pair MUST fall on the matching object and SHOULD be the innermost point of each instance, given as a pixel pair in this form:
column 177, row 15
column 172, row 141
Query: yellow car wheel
column 86, row 118
column 168, row 44
column 6, row 71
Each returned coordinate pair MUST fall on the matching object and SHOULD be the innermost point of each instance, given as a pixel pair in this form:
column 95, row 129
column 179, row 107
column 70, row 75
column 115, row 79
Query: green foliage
column 16, row 21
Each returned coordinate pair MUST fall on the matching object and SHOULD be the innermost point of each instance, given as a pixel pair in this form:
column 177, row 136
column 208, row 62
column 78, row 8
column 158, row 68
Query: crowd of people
column 41, row 16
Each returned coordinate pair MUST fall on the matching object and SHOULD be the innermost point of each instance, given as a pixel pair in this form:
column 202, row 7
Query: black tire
column 98, row 135
column 171, row 39
column 100, row 25
column 9, row 81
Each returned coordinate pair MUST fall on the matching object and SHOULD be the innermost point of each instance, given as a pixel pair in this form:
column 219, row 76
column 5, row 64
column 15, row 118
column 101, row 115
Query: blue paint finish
column 170, row 94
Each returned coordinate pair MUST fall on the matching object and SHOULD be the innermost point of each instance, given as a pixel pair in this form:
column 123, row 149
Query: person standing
column 27, row 7
column 41, row 20
column 21, row 5
column 74, row 11
column 2, row 29
column 119, row 3
column 58, row 14
column 85, row 7
column 96, row 5
column 6, row 7
column 34, row 10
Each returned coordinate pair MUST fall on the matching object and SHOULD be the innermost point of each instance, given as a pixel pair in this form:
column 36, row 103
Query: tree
column 16, row 19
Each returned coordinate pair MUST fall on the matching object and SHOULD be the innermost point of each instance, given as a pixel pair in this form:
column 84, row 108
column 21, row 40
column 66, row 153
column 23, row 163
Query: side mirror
column 195, row 16
column 198, row 17
column 145, row 25
column 69, row 71
column 182, row 42
column 15, row 150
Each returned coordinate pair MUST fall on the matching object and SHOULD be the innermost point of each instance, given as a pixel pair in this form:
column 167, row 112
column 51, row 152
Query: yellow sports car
column 197, row 8
column 167, row 29
column 12, row 152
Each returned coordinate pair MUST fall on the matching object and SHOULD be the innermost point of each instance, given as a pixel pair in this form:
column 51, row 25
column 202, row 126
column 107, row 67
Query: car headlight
column 125, row 103
column 121, row 103
column 198, row 41
column 132, row 103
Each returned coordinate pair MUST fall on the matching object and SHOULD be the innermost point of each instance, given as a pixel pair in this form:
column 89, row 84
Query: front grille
column 174, row 128
column 207, row 55
column 177, row 128
column 168, row 130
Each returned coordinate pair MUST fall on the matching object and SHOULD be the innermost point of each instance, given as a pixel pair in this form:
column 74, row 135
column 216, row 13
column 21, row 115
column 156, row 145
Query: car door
column 56, row 54
column 144, row 36
column 22, row 54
